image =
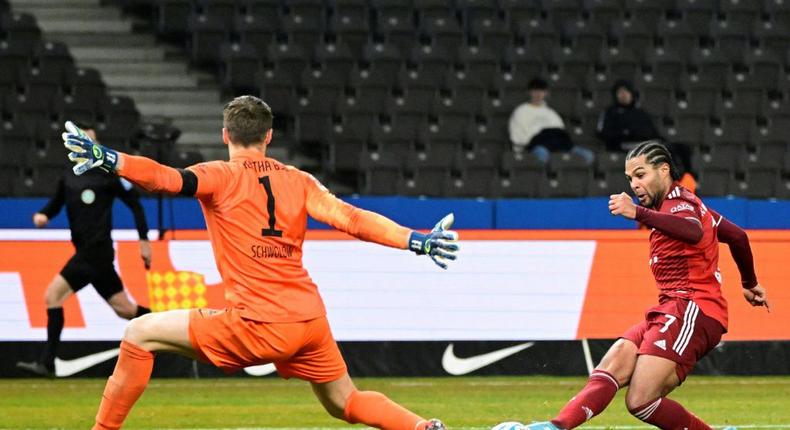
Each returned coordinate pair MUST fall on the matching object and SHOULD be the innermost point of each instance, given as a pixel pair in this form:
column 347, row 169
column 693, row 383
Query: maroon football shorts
column 676, row 330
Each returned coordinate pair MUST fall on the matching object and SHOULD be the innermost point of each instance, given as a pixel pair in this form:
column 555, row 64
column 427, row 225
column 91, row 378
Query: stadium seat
column 508, row 82
column 382, row 173
column 311, row 117
column 391, row 137
column 344, row 148
column 451, row 112
column 440, row 139
column 85, row 84
column 12, row 139
column 430, row 171
column 517, row 11
column 433, row 61
column 565, row 93
column 443, row 32
column 663, row 61
column 619, row 62
column 224, row 11
column 207, row 34
column 710, row 65
column 648, row 11
column 715, row 181
column 541, row 36
column 778, row 11
column 335, row 58
column 587, row 37
column 740, row 12
column 397, row 31
column 632, row 34
column 525, row 175
column 27, row 112
column 239, row 66
column 310, row 11
column 524, row 61
column 173, row 16
column 474, row 12
column 764, row 65
column 53, row 56
column 408, row 110
column 561, row 12
column 430, row 10
column 22, row 31
column 355, row 10
column 288, row 58
column 656, row 93
column 370, row 86
column 302, row 32
column 69, row 108
column 269, row 8
column 771, row 35
column 352, row 31
column 465, row 84
column 257, row 30
column 731, row 37
column 478, row 61
column 698, row 13
column 385, row 58
column 473, row 174
column 603, row 11
column 482, row 138
column 276, row 88
column 358, row 114
column 490, row 33
column 42, row 83
column 119, row 114
column 760, row 182
column 678, row 36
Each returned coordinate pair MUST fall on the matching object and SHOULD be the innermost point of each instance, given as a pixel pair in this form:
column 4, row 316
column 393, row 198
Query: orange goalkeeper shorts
column 304, row 349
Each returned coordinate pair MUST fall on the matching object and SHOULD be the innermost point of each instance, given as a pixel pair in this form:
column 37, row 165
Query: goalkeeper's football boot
column 36, row 368
column 730, row 428
column 547, row 425
column 434, row 424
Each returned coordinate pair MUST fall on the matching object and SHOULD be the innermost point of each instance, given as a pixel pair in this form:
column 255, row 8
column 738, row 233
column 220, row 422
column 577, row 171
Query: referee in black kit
column 88, row 199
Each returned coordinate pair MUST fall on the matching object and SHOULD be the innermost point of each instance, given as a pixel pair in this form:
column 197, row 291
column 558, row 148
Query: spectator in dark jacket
column 624, row 124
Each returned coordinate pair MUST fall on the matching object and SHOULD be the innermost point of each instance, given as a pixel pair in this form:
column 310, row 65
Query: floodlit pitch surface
column 464, row 402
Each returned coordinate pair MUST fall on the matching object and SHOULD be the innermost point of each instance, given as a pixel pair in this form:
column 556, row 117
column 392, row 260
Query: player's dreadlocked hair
column 655, row 153
column 247, row 119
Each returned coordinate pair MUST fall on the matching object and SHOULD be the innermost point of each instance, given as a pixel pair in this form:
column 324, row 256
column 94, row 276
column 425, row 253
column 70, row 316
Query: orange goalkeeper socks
column 125, row 386
column 376, row 410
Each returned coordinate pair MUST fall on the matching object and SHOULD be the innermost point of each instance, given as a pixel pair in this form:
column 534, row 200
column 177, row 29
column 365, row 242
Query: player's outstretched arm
column 738, row 242
column 147, row 173
column 682, row 226
column 440, row 244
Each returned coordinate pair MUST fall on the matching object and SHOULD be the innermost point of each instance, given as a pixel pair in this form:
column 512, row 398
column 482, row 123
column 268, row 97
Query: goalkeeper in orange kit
column 256, row 212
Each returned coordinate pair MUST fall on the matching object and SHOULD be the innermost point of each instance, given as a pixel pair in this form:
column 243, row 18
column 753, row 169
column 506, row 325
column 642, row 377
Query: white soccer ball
column 508, row 425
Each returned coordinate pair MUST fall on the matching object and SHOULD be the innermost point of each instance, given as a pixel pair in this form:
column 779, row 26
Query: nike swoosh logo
column 263, row 369
column 461, row 366
column 70, row 367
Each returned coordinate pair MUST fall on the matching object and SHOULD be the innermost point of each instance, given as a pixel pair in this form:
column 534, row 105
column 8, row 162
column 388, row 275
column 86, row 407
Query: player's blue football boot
column 546, row 425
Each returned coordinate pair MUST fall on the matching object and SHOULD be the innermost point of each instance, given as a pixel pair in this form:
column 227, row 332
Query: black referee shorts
column 83, row 269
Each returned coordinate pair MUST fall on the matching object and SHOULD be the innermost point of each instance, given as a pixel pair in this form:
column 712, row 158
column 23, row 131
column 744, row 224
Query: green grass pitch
column 462, row 402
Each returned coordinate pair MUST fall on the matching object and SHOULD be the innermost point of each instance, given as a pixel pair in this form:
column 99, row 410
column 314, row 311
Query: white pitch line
column 615, row 427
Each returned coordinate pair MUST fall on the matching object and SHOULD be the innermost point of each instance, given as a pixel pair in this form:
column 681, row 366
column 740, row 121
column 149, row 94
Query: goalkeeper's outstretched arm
column 147, row 173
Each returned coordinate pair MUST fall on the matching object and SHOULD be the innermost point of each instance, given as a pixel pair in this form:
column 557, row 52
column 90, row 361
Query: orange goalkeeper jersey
column 256, row 212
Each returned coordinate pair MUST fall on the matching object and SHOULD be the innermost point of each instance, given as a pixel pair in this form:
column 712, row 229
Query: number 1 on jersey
column 271, row 231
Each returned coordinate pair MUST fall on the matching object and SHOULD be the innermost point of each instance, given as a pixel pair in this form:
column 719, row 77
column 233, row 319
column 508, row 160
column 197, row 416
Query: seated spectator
column 624, row 125
column 536, row 127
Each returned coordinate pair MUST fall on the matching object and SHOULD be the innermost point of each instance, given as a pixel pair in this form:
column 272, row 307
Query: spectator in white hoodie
column 539, row 129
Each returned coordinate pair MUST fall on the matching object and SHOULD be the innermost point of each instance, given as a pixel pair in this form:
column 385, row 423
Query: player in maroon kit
column 653, row 357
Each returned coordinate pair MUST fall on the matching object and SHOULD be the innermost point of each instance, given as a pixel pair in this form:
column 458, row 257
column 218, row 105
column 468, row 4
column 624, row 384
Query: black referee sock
column 141, row 310
column 55, row 323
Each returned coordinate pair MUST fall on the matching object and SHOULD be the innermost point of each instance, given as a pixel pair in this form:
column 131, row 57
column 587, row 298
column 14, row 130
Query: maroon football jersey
column 684, row 270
